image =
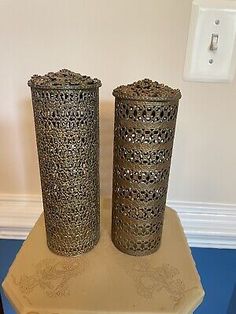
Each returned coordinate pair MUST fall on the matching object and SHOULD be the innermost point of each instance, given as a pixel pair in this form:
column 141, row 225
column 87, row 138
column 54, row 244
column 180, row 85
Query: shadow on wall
column 30, row 170
column 106, row 147
column 19, row 163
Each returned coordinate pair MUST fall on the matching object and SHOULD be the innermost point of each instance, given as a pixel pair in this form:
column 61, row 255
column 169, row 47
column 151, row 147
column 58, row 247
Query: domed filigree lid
column 63, row 79
column 147, row 90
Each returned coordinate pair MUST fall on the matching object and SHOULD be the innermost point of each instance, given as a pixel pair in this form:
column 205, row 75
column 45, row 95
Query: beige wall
column 118, row 41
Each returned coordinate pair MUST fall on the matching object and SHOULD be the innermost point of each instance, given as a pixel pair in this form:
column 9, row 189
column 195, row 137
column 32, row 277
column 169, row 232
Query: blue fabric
column 217, row 269
column 8, row 250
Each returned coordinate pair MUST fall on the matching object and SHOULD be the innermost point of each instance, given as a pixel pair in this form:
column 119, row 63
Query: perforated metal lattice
column 145, row 118
column 66, row 113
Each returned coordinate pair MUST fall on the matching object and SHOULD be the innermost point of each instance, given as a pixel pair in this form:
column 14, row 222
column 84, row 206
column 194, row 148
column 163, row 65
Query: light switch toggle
column 214, row 42
column 211, row 49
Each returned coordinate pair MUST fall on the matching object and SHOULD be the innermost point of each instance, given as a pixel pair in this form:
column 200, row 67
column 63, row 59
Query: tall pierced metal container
column 145, row 118
column 66, row 115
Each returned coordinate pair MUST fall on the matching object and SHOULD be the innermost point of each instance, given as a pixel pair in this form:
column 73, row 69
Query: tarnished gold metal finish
column 66, row 115
column 145, row 118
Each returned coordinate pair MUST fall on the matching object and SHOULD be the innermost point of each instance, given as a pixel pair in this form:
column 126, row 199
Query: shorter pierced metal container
column 66, row 116
column 145, row 119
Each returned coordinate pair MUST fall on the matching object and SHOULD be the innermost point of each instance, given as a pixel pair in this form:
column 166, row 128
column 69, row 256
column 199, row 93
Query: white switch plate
column 202, row 64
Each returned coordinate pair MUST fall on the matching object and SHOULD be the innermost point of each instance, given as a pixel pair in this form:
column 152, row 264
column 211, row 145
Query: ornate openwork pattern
column 141, row 213
column 145, row 135
column 67, row 131
column 143, row 229
column 143, row 157
column 139, row 176
column 140, row 195
column 147, row 112
column 136, row 245
column 145, row 117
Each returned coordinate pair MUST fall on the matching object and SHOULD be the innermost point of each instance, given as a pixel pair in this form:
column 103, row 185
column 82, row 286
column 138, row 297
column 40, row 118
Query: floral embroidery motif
column 149, row 279
column 52, row 276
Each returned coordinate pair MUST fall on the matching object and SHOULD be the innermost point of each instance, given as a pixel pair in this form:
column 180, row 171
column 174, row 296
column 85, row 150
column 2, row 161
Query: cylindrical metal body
column 66, row 115
column 145, row 118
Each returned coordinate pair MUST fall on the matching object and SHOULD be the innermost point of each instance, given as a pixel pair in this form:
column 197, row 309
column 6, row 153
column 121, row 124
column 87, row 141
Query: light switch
column 211, row 48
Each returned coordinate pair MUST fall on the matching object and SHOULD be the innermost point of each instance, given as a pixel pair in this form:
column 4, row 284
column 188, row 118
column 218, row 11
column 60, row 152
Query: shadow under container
column 66, row 116
column 145, row 119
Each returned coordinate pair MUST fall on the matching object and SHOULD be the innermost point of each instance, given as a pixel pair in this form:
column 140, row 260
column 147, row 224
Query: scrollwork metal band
column 67, row 132
column 143, row 141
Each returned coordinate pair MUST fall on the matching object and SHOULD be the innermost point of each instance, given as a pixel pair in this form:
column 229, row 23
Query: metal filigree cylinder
column 66, row 115
column 145, row 119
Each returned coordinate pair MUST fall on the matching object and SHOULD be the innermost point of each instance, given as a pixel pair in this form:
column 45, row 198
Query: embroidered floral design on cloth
column 149, row 279
column 52, row 276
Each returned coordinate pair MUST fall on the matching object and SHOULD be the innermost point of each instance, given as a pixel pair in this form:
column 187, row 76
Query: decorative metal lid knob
column 147, row 90
column 64, row 79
